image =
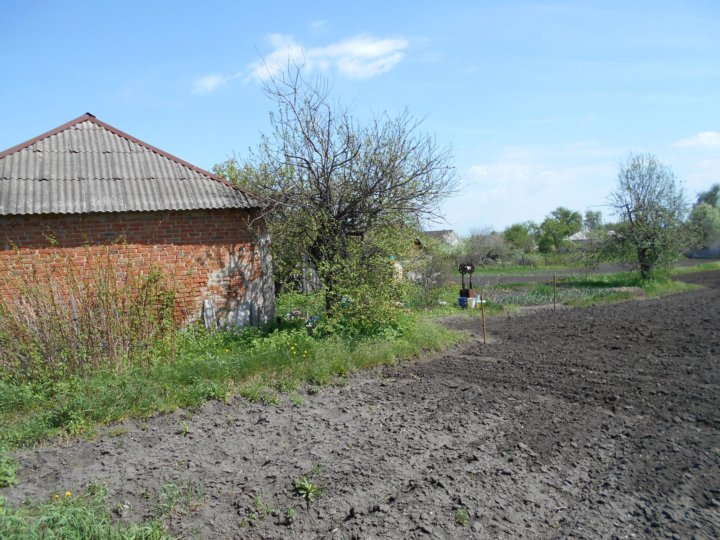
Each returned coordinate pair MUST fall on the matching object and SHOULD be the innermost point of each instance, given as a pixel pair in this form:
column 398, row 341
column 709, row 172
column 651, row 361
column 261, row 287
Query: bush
column 367, row 299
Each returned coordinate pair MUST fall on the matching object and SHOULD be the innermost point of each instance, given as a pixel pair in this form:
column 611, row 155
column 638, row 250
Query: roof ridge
column 162, row 153
column 88, row 117
column 55, row 131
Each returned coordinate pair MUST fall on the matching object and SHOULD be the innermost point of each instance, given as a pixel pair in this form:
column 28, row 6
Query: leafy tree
column 705, row 223
column 486, row 245
column 593, row 220
column 711, row 196
column 651, row 210
column 331, row 182
column 705, row 217
column 560, row 224
column 521, row 236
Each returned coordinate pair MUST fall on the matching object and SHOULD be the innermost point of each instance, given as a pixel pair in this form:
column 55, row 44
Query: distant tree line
column 653, row 225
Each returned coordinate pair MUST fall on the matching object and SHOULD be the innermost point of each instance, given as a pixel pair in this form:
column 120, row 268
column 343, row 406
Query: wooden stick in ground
column 554, row 290
column 482, row 313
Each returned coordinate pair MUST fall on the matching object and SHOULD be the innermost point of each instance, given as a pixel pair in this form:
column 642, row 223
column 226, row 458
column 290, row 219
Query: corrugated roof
column 87, row 166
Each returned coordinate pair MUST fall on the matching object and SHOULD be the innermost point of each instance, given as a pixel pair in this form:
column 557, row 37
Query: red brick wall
column 208, row 254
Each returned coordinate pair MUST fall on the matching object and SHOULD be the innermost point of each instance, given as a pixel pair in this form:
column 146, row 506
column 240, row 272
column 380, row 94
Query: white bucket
column 471, row 302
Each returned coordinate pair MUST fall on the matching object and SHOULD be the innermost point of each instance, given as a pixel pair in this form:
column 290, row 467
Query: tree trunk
column 646, row 266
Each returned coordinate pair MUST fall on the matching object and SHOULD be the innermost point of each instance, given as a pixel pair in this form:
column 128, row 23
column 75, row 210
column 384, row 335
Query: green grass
column 8, row 468
column 524, row 269
column 71, row 517
column 619, row 287
column 704, row 267
column 443, row 301
column 662, row 288
column 583, row 290
column 207, row 366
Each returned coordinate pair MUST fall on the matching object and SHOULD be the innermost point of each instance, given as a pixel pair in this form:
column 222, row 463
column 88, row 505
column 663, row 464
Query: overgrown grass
column 206, row 366
column 71, row 517
column 63, row 325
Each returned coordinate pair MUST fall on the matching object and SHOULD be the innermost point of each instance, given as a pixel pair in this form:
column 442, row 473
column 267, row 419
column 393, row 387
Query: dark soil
column 581, row 423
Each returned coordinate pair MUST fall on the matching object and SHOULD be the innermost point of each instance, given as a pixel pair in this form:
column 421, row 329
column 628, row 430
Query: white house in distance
column 448, row 237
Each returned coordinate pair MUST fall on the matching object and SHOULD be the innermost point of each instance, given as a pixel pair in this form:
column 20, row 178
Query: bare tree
column 651, row 209
column 334, row 180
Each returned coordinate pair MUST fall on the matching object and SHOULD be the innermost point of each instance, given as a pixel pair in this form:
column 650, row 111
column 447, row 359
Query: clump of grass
column 263, row 507
column 72, row 517
column 8, row 469
column 462, row 517
column 173, row 498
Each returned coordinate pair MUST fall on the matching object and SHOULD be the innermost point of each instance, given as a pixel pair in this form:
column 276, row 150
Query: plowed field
column 600, row 422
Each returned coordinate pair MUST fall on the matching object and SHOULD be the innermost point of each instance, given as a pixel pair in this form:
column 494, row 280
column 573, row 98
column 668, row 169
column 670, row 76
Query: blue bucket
column 462, row 301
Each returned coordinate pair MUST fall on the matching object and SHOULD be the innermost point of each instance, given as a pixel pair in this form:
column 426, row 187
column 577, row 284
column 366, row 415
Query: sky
column 539, row 101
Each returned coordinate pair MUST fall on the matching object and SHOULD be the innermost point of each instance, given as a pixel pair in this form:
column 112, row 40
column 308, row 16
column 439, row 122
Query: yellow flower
column 56, row 497
column 68, row 494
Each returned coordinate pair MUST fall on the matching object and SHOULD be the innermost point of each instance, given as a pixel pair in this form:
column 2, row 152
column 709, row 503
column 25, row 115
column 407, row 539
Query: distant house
column 581, row 238
column 448, row 237
column 86, row 193
column 586, row 240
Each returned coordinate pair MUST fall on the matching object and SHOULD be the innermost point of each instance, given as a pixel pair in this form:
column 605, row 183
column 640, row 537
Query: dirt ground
column 600, row 422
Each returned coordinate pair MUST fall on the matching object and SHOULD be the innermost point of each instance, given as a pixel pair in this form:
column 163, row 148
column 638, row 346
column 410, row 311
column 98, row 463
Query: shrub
column 368, row 299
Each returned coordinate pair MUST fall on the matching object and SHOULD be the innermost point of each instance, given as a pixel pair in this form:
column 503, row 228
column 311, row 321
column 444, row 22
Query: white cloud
column 210, row 83
column 360, row 57
column 521, row 186
column 705, row 139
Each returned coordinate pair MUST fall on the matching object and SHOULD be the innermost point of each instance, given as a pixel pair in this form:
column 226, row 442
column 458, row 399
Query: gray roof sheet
column 88, row 166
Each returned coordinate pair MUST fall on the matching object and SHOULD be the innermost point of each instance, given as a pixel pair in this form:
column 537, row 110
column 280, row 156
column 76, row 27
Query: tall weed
column 56, row 327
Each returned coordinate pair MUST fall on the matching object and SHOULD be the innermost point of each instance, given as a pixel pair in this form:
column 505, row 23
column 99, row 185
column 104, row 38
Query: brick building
column 87, row 194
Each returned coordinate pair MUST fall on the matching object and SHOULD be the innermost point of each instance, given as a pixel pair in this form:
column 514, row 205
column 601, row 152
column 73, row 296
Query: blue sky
column 539, row 100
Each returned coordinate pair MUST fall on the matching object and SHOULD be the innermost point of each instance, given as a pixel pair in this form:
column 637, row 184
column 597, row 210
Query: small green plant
column 263, row 507
column 296, row 399
column 117, row 432
column 172, row 498
column 184, row 429
column 462, row 517
column 307, row 489
column 290, row 516
column 8, row 469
